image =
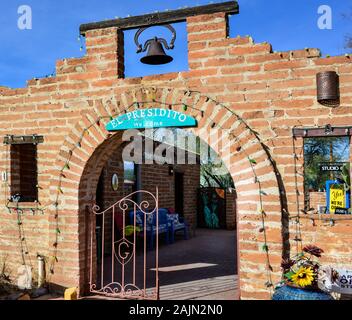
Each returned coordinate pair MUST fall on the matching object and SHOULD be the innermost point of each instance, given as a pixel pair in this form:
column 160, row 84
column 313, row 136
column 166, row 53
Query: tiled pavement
column 203, row 267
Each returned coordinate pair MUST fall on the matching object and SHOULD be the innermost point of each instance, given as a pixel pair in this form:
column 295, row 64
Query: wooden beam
column 34, row 139
column 173, row 16
column 324, row 217
column 320, row 132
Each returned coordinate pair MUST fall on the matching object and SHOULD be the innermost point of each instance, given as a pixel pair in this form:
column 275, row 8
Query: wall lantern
column 328, row 88
column 156, row 54
column 115, row 182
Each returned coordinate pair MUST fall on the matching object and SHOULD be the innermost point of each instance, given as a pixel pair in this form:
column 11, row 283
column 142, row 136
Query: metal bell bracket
column 161, row 40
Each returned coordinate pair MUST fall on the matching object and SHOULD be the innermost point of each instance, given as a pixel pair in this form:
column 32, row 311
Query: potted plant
column 301, row 277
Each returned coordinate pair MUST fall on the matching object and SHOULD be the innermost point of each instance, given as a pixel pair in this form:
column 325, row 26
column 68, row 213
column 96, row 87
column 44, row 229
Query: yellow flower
column 303, row 277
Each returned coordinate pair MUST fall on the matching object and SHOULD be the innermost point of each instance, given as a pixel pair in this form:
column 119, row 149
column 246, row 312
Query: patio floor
column 203, row 267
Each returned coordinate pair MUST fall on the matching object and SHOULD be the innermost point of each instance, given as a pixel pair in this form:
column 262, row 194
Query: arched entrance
column 89, row 146
column 196, row 252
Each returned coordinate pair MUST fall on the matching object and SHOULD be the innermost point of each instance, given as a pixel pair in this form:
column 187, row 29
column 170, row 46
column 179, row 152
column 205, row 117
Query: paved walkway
column 208, row 267
column 219, row 288
column 202, row 268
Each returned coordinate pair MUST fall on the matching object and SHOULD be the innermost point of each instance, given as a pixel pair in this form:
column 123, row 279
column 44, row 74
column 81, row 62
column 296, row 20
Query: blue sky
column 26, row 54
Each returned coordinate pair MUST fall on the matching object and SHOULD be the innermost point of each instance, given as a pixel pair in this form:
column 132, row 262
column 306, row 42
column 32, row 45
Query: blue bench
column 169, row 224
column 178, row 223
column 151, row 230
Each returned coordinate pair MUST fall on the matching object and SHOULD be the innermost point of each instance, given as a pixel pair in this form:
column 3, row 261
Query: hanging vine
column 298, row 236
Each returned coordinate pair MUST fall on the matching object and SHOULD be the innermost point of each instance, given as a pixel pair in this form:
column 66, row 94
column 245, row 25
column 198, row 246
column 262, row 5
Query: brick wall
column 231, row 210
column 272, row 91
column 158, row 175
column 152, row 176
column 317, row 199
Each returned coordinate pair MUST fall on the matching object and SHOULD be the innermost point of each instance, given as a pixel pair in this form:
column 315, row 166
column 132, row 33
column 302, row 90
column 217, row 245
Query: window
column 23, row 167
column 24, row 175
column 129, row 172
column 130, row 178
column 327, row 174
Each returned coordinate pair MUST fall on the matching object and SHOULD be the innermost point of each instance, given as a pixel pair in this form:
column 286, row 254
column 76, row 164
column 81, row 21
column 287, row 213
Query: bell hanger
column 156, row 54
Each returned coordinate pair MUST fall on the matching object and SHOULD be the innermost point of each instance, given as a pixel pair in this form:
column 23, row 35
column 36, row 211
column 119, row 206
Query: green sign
column 151, row 118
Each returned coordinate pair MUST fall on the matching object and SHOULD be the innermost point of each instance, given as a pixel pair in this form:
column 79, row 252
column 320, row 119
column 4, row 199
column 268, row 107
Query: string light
column 265, row 246
column 299, row 244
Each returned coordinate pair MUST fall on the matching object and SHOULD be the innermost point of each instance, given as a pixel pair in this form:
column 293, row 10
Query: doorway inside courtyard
column 196, row 257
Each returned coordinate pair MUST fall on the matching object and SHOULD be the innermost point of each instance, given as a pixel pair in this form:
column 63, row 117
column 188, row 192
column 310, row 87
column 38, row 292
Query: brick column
column 107, row 48
column 202, row 31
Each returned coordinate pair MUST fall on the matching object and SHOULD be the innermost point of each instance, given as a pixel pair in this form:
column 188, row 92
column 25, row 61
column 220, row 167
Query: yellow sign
column 337, row 199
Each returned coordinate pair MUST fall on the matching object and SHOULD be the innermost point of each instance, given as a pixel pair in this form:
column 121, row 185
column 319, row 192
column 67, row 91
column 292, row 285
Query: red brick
column 333, row 60
column 285, row 65
column 250, row 49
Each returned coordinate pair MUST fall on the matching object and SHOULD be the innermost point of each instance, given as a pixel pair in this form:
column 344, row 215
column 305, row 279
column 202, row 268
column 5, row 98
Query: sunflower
column 303, row 277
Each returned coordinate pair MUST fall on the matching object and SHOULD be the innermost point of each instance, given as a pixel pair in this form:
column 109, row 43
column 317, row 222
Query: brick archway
column 89, row 145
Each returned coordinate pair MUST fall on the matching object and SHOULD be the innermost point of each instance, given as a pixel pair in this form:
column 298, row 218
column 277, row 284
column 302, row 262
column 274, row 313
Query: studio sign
column 331, row 167
column 151, row 118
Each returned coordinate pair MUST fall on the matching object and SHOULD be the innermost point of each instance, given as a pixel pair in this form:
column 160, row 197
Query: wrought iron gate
column 127, row 264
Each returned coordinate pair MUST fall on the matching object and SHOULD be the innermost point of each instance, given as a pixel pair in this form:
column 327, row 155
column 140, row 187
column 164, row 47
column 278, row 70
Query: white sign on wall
column 344, row 284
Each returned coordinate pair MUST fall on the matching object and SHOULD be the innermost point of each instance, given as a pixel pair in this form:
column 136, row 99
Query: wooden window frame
column 14, row 140
column 327, row 131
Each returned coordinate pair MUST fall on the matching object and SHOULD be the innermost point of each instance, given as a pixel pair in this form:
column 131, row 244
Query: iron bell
column 156, row 54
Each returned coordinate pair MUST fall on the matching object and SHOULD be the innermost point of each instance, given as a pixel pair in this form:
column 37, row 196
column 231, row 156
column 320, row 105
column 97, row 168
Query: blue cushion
column 179, row 226
column 162, row 228
column 140, row 218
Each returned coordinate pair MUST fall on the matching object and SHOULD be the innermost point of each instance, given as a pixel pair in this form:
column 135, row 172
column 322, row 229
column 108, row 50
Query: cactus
column 345, row 174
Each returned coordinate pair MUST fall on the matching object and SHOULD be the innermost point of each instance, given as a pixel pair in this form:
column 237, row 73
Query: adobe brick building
column 242, row 86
